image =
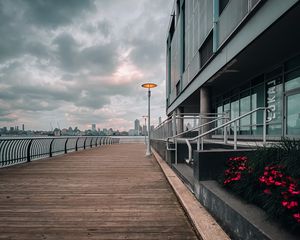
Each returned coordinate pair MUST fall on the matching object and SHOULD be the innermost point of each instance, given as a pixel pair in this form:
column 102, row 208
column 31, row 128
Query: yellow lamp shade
column 149, row 85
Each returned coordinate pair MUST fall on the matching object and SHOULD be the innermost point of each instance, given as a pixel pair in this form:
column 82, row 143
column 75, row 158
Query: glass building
column 235, row 56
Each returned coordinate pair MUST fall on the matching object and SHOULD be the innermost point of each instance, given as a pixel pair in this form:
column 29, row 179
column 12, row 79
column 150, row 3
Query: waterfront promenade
column 109, row 192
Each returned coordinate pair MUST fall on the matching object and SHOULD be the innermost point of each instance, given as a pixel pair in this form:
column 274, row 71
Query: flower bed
column 270, row 179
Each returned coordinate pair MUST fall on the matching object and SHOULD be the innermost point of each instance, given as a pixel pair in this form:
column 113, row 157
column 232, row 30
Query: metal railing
column 19, row 150
column 224, row 126
column 182, row 123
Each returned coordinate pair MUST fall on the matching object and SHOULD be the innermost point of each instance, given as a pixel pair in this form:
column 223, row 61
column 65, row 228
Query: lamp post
column 145, row 117
column 149, row 86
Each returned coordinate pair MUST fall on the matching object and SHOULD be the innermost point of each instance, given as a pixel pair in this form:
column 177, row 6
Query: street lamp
column 149, row 85
column 145, row 117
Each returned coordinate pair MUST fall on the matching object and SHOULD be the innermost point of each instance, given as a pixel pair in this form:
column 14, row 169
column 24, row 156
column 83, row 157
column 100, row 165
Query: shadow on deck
column 111, row 192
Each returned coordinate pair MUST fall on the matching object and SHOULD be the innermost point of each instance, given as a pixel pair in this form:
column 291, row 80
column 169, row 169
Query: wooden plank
column 110, row 192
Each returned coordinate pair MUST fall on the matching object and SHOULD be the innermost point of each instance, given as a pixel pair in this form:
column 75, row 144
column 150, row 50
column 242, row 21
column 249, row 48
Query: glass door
column 292, row 119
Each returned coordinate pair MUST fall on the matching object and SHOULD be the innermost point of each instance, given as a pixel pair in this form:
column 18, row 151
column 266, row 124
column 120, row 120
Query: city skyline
column 77, row 64
column 139, row 129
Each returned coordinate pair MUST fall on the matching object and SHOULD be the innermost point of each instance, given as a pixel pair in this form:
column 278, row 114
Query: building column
column 179, row 122
column 205, row 106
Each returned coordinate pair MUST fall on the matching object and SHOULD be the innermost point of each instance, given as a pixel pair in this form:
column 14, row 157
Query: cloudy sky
column 77, row 62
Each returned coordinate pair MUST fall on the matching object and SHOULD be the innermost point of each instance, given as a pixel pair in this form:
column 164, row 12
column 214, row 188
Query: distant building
column 94, row 127
column 64, row 131
column 137, row 127
column 110, row 132
column 105, row 131
column 131, row 132
column 56, row 132
column 23, row 127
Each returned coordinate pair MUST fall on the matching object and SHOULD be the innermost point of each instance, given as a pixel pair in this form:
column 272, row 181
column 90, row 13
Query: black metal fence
column 20, row 150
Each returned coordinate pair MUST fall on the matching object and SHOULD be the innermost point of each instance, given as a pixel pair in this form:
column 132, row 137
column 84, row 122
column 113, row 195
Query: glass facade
column 279, row 90
column 293, row 114
column 274, row 96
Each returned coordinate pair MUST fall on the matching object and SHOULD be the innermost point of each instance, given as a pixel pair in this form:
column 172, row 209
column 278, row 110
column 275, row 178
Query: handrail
column 188, row 115
column 232, row 121
column 19, row 150
column 265, row 121
column 198, row 127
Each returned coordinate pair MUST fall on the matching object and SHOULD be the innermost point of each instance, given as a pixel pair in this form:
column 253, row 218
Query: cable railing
column 19, row 150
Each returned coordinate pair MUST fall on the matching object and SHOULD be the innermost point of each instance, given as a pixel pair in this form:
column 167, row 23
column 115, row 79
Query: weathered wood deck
column 111, row 192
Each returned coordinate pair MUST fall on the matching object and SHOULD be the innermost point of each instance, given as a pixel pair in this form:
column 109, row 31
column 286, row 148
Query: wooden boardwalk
column 111, row 192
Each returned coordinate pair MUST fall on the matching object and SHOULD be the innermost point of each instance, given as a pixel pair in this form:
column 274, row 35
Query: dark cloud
column 148, row 50
column 104, row 27
column 83, row 59
column 7, row 119
column 56, row 13
column 101, row 58
column 11, row 42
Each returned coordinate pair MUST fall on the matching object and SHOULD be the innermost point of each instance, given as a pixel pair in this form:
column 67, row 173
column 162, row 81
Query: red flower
column 278, row 183
column 297, row 217
column 236, row 165
column 267, row 191
column 290, row 204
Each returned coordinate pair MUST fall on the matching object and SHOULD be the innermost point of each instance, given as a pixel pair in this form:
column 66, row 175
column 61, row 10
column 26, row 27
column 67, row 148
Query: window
column 183, row 38
column 293, row 114
column 206, row 50
column 245, row 107
column 172, row 29
column 177, row 9
column 220, row 122
column 292, row 80
column 234, row 113
column 178, row 90
column 222, row 5
column 257, row 100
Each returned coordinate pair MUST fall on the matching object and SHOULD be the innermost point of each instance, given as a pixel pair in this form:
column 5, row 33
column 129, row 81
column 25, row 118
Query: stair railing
column 224, row 126
column 200, row 128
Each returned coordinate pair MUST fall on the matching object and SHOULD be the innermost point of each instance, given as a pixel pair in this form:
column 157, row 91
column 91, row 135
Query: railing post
column 199, row 132
column 91, row 142
column 235, row 135
column 28, row 151
column 50, row 148
column 66, row 150
column 96, row 142
column 265, row 126
column 202, row 139
column 175, row 144
column 76, row 145
column 225, row 128
column 84, row 143
column 174, row 124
